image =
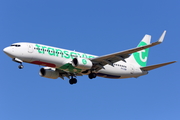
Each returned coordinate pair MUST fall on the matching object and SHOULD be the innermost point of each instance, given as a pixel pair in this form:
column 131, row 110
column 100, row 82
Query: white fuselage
column 58, row 58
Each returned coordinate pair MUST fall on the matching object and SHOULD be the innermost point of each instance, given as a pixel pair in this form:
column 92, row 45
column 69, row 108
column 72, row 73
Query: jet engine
column 49, row 73
column 82, row 63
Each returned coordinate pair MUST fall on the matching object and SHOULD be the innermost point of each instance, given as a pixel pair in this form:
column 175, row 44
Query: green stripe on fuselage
column 62, row 53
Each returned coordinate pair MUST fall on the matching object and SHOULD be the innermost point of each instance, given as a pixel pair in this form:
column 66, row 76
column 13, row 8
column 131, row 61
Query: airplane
column 63, row 63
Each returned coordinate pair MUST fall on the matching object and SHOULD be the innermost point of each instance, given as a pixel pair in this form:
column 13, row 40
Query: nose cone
column 7, row 50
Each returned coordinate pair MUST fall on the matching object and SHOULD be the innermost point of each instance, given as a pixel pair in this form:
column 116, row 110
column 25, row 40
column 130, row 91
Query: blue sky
column 97, row 27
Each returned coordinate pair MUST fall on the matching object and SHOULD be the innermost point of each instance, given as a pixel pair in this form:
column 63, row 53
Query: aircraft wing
column 115, row 57
column 148, row 68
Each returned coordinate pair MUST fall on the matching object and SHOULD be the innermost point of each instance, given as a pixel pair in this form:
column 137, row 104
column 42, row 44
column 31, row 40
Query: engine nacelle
column 82, row 63
column 48, row 73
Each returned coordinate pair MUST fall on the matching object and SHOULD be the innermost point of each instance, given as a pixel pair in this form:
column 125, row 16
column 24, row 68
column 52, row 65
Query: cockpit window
column 15, row 45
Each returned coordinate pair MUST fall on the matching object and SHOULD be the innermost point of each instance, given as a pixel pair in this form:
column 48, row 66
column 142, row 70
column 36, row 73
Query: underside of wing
column 63, row 74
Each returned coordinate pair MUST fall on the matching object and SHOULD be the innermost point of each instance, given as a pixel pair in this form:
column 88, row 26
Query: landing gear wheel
column 92, row 75
column 20, row 66
column 73, row 81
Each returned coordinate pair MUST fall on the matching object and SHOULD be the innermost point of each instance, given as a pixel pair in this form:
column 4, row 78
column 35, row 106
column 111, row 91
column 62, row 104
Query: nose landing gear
column 21, row 66
column 19, row 61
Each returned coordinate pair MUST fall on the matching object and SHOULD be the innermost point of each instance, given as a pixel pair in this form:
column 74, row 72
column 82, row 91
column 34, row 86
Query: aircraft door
column 30, row 48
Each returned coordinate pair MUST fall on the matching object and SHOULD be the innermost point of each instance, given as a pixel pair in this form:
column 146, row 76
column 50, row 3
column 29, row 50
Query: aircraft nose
column 6, row 50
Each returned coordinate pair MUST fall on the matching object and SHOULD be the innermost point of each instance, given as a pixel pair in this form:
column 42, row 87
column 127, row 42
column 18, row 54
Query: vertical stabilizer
column 140, row 58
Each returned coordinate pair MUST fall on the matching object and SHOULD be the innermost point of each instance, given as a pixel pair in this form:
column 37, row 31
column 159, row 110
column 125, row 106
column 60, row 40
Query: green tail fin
column 141, row 57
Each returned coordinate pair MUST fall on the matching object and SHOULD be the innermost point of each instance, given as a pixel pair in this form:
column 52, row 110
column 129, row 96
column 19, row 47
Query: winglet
column 162, row 37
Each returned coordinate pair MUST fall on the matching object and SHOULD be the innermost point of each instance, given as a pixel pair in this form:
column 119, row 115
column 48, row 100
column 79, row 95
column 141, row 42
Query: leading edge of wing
column 130, row 51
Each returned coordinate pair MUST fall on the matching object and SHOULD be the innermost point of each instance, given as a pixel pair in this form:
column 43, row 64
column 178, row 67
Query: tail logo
column 141, row 56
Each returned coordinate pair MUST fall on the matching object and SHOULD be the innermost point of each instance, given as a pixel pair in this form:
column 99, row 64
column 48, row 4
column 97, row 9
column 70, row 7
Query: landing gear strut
column 72, row 81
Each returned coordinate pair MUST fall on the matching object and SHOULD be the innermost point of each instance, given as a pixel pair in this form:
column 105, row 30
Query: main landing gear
column 72, row 81
column 92, row 75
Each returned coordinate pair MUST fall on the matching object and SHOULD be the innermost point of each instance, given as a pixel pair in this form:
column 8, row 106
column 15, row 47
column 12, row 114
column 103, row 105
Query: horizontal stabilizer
column 148, row 68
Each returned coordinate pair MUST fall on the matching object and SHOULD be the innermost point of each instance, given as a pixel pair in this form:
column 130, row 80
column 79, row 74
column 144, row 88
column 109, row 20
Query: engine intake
column 82, row 63
column 49, row 73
